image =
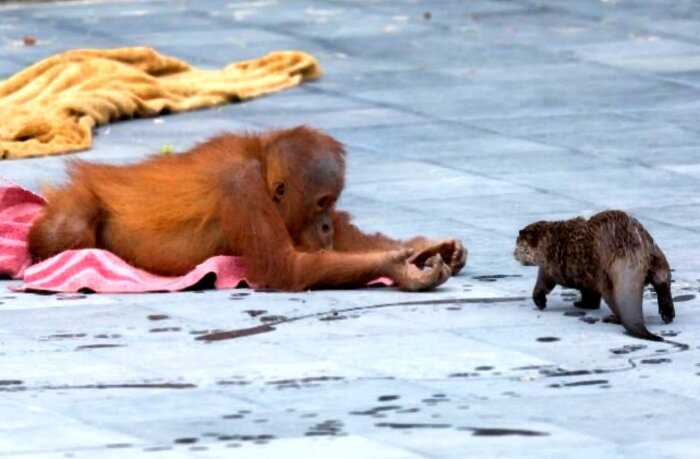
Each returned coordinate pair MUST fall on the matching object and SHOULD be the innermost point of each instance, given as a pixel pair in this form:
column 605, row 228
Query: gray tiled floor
column 470, row 122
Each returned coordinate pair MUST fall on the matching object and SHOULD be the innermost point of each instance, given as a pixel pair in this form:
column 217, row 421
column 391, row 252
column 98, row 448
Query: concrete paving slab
column 461, row 119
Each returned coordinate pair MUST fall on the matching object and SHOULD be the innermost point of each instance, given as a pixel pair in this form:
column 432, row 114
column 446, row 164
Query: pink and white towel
column 87, row 269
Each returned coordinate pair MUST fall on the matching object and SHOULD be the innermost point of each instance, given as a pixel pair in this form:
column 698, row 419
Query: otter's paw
column 540, row 300
column 667, row 315
column 586, row 305
column 666, row 310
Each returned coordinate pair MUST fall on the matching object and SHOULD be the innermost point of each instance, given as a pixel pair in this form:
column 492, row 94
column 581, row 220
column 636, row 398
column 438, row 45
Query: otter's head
column 529, row 246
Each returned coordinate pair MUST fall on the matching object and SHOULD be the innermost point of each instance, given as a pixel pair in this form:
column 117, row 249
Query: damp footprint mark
column 682, row 298
column 655, row 361
column 592, row 382
column 498, row 432
column 627, row 349
column 412, row 425
column 98, row 346
column 310, row 381
column 186, row 440
column 272, row 318
column 560, row 372
column 107, row 336
column 238, row 295
column 233, row 334
column 156, row 317
column 494, row 277
column 255, row 312
column 376, row 410
column 70, row 296
column 67, row 336
column 329, row 428
column 332, row 316
column 118, row 445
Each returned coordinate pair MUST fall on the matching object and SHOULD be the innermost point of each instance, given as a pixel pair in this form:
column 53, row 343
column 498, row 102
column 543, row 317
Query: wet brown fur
column 609, row 256
column 269, row 198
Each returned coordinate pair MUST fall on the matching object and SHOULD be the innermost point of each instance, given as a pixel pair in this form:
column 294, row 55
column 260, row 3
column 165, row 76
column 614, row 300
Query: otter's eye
column 279, row 192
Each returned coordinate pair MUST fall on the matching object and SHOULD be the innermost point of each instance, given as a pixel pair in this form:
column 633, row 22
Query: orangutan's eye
column 324, row 202
column 279, row 192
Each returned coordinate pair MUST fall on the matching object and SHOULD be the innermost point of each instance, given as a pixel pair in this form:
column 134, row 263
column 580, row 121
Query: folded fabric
column 18, row 208
column 52, row 106
column 93, row 269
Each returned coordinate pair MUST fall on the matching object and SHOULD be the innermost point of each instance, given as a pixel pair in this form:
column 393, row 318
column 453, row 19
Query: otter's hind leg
column 589, row 300
column 70, row 220
column 660, row 278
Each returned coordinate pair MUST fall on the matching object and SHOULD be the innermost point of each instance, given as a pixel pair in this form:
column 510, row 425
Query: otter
column 609, row 256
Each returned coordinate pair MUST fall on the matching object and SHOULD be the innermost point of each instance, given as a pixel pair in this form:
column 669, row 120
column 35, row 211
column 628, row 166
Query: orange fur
column 269, row 198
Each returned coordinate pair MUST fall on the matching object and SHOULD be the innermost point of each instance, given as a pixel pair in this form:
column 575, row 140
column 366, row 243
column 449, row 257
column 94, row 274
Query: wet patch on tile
column 186, row 440
column 683, row 298
column 273, row 318
column 377, row 410
column 412, row 425
column 233, row 334
column 158, row 317
column 592, row 382
column 655, row 361
column 312, row 381
column 98, row 346
column 254, row 312
column 333, row 315
column 628, row 348
column 328, row 428
column 496, row 432
column 70, row 296
column 239, row 295
column 60, row 336
column 495, row 277
column 118, row 445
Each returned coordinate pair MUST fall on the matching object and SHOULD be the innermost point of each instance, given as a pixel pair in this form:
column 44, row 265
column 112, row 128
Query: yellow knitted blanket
column 52, row 106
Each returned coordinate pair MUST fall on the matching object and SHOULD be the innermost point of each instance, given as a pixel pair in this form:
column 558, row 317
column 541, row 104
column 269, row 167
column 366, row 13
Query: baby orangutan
column 269, row 198
column 610, row 255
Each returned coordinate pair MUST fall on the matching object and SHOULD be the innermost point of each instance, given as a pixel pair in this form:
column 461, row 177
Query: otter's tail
column 628, row 291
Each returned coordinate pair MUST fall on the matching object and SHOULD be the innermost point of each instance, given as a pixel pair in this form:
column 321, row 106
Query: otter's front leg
column 543, row 286
column 590, row 299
